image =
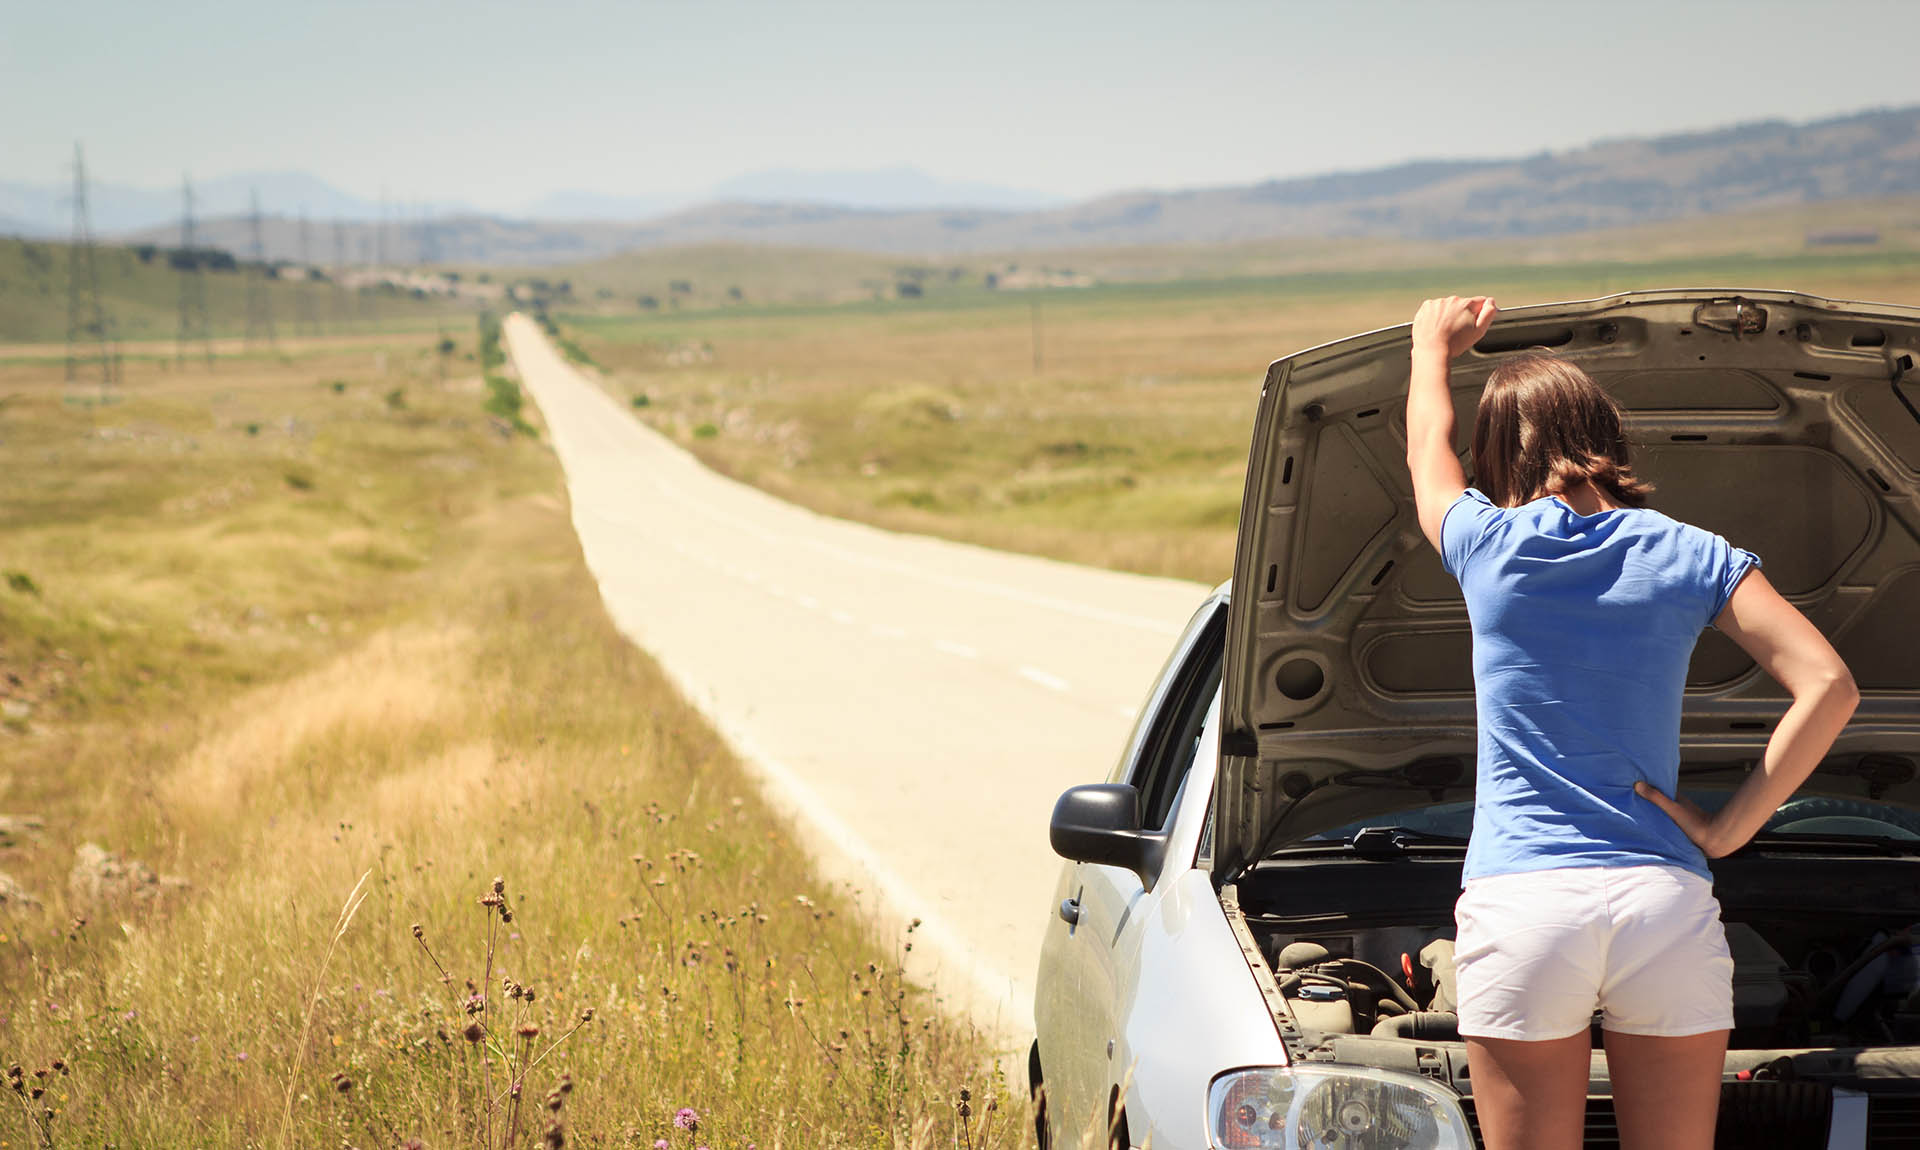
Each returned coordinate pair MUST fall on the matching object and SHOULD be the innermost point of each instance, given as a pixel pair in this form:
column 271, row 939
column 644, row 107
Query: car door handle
column 1070, row 910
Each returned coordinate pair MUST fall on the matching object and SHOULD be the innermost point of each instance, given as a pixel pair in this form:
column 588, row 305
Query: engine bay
column 1826, row 951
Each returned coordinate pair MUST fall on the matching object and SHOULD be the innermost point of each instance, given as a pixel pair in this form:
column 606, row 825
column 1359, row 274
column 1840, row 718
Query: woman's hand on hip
column 1696, row 823
column 1452, row 324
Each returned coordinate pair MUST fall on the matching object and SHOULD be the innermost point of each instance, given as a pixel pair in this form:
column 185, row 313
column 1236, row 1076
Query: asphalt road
column 915, row 705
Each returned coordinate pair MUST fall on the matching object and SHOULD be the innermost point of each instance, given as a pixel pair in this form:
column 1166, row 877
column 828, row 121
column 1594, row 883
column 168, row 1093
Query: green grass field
column 1105, row 425
column 306, row 646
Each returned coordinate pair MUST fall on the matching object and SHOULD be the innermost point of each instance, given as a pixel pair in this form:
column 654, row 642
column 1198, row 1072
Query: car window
column 1173, row 731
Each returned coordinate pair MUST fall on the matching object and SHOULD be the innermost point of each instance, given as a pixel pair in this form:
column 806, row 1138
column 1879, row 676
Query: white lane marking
column 807, row 601
column 1049, row 681
column 949, row 647
column 886, row 632
column 840, row 616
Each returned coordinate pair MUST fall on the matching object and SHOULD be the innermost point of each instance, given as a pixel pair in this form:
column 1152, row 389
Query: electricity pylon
column 194, row 324
column 88, row 338
column 259, row 303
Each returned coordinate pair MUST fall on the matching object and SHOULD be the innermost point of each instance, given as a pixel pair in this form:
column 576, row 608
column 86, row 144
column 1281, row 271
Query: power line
column 86, row 315
column 259, row 303
column 192, row 267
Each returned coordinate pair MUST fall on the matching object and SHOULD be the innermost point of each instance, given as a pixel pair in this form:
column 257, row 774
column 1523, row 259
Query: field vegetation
column 337, row 813
column 1105, row 425
column 140, row 289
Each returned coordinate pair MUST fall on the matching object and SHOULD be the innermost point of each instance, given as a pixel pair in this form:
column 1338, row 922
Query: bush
column 504, row 400
column 490, row 354
column 22, row 582
column 397, row 399
column 705, row 431
column 641, row 400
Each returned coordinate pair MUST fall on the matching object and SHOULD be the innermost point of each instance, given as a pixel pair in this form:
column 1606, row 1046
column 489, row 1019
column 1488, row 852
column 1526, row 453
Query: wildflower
column 499, row 885
column 661, row 1144
column 687, row 1119
column 342, row 1083
column 419, row 931
column 529, row 1030
column 474, row 1032
column 555, row 1137
column 240, row 1057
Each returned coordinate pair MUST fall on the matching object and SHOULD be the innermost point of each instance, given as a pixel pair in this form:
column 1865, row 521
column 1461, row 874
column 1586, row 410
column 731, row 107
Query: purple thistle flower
column 661, row 1144
column 687, row 1118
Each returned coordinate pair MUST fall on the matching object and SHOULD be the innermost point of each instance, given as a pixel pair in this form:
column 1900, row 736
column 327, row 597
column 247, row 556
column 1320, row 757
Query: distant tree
column 993, row 281
column 733, row 293
column 907, row 290
column 680, row 287
column 648, row 303
column 145, row 252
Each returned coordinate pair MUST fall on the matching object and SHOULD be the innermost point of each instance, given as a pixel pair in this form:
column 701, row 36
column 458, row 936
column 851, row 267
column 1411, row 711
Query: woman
column 1586, row 885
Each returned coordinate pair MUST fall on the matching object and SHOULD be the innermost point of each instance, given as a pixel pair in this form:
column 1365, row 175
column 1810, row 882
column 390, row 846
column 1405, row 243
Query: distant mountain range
column 1772, row 163
column 45, row 209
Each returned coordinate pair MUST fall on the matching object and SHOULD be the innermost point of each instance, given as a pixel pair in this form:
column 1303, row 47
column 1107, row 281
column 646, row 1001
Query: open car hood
column 1787, row 423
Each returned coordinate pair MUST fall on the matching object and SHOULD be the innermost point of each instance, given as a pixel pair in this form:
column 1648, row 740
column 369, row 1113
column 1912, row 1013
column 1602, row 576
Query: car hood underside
column 1787, row 423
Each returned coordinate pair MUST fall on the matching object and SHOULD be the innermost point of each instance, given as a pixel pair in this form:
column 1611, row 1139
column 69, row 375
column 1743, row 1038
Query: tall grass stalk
column 348, row 909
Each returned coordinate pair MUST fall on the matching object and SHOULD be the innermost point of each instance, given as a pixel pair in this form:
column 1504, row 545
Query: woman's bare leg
column 1531, row 1095
column 1666, row 1091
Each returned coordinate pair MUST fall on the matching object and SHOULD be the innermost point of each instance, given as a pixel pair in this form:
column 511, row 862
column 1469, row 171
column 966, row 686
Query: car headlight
column 1333, row 1108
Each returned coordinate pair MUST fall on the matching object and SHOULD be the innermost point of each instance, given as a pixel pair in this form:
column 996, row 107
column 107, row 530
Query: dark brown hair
column 1544, row 427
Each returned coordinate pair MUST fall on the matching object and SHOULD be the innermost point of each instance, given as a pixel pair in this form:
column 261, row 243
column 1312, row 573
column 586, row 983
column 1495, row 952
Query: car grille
column 1767, row 1116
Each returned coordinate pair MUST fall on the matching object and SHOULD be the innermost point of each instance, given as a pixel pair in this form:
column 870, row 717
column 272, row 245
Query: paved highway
column 915, row 705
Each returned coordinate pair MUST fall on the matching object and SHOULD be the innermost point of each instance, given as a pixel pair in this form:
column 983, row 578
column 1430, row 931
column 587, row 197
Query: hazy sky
column 497, row 103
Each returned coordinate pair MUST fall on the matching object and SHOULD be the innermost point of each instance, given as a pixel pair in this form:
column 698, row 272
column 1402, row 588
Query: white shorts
column 1538, row 951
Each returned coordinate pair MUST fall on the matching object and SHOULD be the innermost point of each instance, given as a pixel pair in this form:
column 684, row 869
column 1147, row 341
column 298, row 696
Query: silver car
column 1252, row 943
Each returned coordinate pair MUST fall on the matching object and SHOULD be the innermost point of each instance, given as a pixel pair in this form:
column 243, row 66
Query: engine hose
column 1374, row 978
column 1431, row 1025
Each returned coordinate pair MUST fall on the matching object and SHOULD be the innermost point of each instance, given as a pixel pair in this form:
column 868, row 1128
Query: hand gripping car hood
column 1788, row 423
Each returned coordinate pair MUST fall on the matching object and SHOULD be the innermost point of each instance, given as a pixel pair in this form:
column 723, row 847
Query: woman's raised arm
column 1442, row 329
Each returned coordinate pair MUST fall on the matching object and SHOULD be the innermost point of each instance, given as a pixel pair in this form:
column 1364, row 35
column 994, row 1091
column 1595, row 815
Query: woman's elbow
column 1838, row 689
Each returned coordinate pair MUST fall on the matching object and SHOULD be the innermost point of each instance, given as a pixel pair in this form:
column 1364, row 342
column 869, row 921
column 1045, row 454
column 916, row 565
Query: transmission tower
column 193, row 284
column 87, row 330
column 309, row 317
column 339, row 274
column 259, row 303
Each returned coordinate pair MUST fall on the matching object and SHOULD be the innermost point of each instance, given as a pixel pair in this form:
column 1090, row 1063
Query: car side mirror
column 1100, row 823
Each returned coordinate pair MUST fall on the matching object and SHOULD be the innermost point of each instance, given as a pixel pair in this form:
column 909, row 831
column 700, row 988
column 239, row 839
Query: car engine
column 1807, row 987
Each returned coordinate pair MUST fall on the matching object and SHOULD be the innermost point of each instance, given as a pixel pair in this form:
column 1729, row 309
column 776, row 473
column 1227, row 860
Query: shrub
column 705, row 431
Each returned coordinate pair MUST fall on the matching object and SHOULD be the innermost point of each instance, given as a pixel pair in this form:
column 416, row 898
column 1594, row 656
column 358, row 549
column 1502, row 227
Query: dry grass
column 352, row 654
column 1123, row 447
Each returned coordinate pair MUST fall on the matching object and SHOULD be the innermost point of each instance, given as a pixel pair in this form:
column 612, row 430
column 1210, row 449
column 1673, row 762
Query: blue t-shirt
column 1583, row 626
